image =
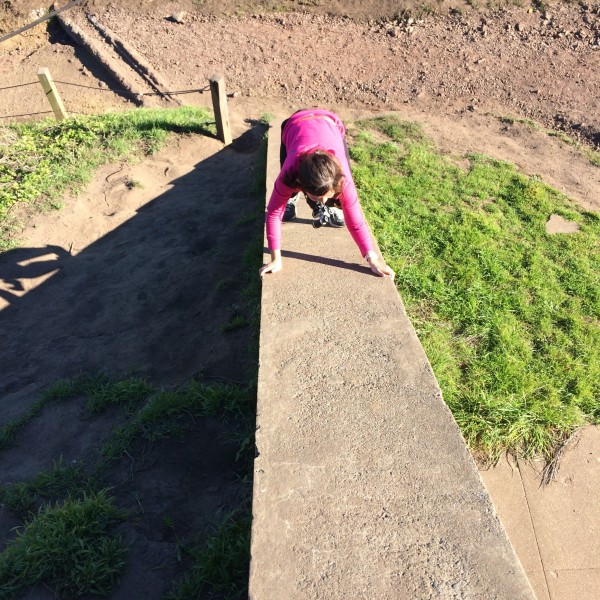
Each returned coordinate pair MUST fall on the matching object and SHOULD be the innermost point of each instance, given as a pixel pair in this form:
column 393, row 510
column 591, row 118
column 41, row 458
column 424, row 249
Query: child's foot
column 290, row 209
column 336, row 217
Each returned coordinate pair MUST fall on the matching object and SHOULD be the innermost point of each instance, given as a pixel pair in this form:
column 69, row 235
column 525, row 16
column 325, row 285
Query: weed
column 67, row 547
column 235, row 323
column 129, row 393
column 132, row 184
column 9, row 432
column 169, row 411
column 102, row 392
column 221, row 564
column 61, row 480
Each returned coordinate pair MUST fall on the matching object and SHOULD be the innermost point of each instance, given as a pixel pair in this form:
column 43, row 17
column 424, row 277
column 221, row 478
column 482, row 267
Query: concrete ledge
column 363, row 486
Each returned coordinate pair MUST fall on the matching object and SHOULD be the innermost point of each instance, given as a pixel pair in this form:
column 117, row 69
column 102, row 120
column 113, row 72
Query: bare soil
column 141, row 279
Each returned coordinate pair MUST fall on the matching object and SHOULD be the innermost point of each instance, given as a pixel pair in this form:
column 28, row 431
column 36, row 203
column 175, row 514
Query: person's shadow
column 150, row 297
column 22, row 264
column 153, row 297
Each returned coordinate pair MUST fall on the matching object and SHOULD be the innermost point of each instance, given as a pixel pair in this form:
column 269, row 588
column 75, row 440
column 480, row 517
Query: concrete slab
column 363, row 486
column 558, row 537
column 538, row 582
column 504, row 484
column 580, row 584
column 566, row 513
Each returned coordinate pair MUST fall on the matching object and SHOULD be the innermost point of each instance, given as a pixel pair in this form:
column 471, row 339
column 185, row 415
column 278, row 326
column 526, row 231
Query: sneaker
column 290, row 209
column 336, row 217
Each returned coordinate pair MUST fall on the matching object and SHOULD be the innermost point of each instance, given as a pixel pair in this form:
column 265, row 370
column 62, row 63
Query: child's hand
column 379, row 267
column 271, row 267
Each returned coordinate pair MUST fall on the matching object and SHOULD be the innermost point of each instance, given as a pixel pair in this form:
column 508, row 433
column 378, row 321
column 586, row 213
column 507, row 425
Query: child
column 314, row 160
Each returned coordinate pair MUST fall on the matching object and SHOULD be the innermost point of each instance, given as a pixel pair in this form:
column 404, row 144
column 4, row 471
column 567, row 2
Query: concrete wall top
column 363, row 485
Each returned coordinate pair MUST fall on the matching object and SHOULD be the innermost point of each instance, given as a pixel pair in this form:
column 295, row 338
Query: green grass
column 66, row 547
column 169, row 412
column 221, row 563
column 508, row 315
column 22, row 498
column 236, row 322
column 43, row 159
column 101, row 390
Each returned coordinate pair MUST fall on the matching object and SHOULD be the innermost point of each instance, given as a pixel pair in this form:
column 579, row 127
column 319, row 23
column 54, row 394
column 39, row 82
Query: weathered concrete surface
column 554, row 528
column 363, row 486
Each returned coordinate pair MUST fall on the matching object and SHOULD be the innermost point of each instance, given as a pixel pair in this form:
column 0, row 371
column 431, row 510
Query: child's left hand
column 379, row 267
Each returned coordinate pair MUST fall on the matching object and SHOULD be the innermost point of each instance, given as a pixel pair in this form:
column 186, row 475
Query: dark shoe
column 290, row 209
column 336, row 217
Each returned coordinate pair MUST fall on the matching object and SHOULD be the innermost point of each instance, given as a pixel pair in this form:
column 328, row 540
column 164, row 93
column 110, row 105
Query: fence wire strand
column 91, row 87
column 18, row 85
column 128, row 93
column 44, row 112
column 40, row 20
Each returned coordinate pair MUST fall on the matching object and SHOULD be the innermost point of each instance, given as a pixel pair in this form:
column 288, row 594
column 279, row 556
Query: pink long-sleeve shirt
column 306, row 131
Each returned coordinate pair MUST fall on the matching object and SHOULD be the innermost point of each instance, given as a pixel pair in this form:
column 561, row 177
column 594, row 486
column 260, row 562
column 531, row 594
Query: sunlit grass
column 508, row 315
column 43, row 159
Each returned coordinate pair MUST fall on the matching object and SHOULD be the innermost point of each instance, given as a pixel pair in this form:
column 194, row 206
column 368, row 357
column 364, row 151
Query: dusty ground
column 130, row 278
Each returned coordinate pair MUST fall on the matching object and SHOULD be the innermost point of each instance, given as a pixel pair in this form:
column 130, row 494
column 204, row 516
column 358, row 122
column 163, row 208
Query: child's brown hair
column 318, row 173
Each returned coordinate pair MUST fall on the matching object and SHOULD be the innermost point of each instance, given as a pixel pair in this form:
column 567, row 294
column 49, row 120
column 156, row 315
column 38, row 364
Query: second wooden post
column 219, row 100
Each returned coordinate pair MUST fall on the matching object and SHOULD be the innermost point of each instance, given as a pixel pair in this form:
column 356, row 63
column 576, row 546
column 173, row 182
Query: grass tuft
column 66, row 547
column 221, row 565
column 61, row 480
column 174, row 411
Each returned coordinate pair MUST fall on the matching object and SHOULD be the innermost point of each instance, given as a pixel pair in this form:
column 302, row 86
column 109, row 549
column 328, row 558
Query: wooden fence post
column 52, row 94
column 219, row 100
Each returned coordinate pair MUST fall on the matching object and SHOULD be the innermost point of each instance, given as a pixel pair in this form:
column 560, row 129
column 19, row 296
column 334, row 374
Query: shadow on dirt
column 153, row 298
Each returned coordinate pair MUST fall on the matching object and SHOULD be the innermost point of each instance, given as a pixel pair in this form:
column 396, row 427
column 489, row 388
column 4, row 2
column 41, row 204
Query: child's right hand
column 271, row 267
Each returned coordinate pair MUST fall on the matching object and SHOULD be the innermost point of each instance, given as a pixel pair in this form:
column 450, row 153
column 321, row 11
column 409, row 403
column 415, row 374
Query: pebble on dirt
column 178, row 17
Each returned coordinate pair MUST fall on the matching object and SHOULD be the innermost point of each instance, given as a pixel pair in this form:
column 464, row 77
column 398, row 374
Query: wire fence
column 40, row 20
column 216, row 86
column 126, row 93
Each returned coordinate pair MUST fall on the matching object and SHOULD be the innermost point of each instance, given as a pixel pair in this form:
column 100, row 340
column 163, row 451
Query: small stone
column 178, row 17
column 519, row 27
column 102, row 85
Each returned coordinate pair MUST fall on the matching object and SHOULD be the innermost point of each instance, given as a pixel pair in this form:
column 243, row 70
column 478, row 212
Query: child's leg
column 282, row 150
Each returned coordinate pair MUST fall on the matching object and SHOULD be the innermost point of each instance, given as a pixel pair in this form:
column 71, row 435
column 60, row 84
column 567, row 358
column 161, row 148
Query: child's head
column 320, row 174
